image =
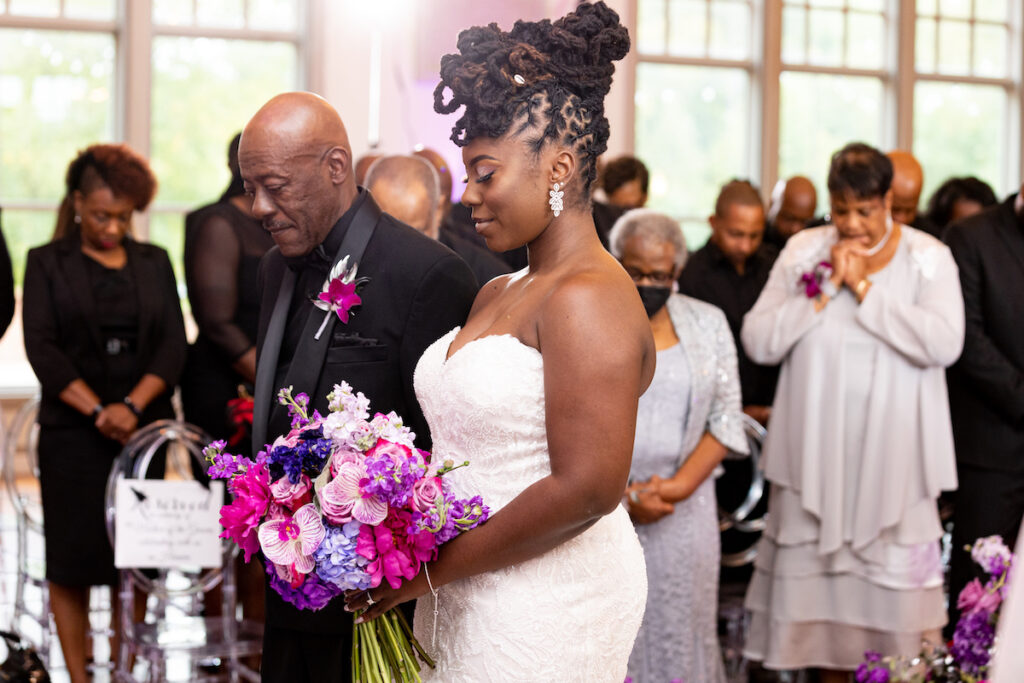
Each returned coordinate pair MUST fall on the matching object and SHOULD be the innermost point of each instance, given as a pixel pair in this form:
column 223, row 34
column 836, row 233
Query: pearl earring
column 556, row 199
column 78, row 219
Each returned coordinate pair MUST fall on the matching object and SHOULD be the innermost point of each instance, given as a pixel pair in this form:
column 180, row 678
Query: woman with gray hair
column 687, row 420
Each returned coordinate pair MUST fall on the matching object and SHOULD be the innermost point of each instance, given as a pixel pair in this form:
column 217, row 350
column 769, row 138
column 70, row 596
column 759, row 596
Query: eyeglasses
column 657, row 277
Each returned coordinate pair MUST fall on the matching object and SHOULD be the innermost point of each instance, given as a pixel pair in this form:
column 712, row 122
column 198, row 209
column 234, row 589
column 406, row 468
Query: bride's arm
column 595, row 341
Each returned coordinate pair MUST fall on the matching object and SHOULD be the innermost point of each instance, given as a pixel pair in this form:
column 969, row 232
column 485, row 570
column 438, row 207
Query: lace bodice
column 485, row 404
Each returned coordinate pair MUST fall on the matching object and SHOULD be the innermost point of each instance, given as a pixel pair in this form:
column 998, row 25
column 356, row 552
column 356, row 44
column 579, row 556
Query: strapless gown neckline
column 485, row 404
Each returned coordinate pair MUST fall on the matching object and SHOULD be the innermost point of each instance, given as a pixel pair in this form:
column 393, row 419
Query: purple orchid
column 339, row 294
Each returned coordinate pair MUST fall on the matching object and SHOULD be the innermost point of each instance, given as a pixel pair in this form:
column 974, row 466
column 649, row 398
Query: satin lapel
column 1010, row 232
column 307, row 365
column 266, row 364
column 72, row 264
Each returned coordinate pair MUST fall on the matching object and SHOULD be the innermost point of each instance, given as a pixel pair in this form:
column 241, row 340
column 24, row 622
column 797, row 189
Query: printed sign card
column 167, row 524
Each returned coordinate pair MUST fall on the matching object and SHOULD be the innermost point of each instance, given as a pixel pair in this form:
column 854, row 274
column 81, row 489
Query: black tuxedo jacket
column 62, row 337
column 986, row 385
column 418, row 291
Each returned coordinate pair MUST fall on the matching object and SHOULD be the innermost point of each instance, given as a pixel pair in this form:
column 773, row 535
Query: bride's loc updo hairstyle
column 552, row 75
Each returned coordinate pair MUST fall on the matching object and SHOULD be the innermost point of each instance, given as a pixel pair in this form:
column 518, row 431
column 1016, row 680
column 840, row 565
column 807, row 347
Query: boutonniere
column 814, row 280
column 340, row 293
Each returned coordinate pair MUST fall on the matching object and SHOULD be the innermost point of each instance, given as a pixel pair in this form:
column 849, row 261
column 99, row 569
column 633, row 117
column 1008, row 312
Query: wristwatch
column 127, row 400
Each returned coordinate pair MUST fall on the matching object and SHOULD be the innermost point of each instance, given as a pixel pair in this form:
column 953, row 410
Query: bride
column 539, row 390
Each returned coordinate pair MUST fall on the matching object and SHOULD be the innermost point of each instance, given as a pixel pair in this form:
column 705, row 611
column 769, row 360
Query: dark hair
column 506, row 77
column 116, row 166
column 859, row 170
column 620, row 171
column 736, row 191
column 940, row 206
column 236, row 186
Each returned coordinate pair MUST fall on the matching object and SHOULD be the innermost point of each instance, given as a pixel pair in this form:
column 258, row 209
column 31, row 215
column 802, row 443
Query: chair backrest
column 23, row 437
column 740, row 518
column 170, row 438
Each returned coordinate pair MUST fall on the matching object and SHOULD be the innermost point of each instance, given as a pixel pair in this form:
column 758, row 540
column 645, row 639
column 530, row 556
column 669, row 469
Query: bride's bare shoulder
column 593, row 305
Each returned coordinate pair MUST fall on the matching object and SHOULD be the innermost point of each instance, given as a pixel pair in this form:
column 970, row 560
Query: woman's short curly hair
column 116, row 166
column 506, row 78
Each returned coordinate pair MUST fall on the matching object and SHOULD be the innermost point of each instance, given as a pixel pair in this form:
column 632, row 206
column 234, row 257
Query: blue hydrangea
column 337, row 561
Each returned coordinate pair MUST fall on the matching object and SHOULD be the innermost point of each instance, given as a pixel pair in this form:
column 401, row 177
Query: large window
column 964, row 90
column 57, row 93
column 71, row 75
column 832, row 82
column 693, row 102
column 771, row 88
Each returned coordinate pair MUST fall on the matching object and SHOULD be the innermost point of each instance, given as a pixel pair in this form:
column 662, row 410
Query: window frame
column 133, row 30
column 899, row 77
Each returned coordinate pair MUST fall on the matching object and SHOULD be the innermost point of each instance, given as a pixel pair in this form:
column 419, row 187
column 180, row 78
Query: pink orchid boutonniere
column 340, row 293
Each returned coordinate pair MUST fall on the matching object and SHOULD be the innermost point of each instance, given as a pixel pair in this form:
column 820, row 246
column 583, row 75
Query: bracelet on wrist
column 97, row 409
column 127, row 400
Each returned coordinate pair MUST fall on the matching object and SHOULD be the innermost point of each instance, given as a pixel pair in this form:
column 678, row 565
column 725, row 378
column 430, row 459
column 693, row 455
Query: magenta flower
column 394, row 554
column 341, row 297
column 241, row 516
column 291, row 542
column 974, row 598
column 342, row 500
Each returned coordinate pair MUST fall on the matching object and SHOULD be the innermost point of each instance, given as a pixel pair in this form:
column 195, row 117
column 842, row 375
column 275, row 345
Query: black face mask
column 654, row 298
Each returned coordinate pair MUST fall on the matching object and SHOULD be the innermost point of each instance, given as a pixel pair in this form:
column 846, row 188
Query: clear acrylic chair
column 31, row 617
column 179, row 638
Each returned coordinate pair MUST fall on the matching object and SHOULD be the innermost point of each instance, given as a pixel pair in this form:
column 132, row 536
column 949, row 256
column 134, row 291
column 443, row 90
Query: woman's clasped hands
column 646, row 501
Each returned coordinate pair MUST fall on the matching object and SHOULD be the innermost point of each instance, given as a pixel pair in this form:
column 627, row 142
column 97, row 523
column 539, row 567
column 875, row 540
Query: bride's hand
column 385, row 597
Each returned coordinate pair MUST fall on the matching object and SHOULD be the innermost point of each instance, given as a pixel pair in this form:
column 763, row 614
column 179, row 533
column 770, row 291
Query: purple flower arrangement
column 966, row 658
column 344, row 502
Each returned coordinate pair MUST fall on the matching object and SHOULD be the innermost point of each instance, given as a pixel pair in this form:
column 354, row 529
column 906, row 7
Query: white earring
column 78, row 219
column 556, row 199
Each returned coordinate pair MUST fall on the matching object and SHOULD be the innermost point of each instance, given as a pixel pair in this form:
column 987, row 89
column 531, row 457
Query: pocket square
column 342, row 338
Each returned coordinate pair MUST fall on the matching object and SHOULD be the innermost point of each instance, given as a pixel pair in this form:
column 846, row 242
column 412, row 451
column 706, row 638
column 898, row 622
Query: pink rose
column 289, row 441
column 396, row 451
column 976, row 598
column 292, row 496
column 425, row 493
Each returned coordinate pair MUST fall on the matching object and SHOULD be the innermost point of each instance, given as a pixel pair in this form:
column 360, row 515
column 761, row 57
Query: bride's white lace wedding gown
column 569, row 615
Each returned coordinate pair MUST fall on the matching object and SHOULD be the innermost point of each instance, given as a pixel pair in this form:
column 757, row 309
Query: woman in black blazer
column 105, row 337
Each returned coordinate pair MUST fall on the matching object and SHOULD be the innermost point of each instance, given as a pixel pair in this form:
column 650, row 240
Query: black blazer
column 986, row 385
column 62, row 337
column 418, row 291
column 6, row 287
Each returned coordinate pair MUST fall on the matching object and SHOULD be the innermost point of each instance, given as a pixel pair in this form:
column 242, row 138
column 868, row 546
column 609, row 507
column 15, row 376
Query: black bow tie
column 316, row 259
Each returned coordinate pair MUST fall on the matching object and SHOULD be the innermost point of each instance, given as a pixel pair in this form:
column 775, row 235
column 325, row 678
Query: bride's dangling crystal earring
column 556, row 199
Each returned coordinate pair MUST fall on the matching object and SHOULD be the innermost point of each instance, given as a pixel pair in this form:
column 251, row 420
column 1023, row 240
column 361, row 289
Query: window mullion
column 134, row 45
column 902, row 88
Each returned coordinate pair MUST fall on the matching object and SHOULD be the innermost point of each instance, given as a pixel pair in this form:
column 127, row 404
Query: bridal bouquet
column 966, row 658
column 344, row 502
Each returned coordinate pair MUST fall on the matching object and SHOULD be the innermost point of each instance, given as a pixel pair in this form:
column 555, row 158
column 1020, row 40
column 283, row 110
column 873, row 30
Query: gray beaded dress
column 695, row 389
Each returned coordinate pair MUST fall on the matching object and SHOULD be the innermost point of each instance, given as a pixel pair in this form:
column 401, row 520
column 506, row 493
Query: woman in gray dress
column 864, row 315
column 686, row 421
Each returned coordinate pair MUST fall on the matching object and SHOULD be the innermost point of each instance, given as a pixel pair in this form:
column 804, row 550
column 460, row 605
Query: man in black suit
column 986, row 386
column 6, row 287
column 296, row 163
